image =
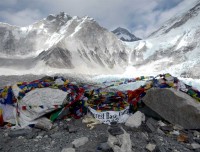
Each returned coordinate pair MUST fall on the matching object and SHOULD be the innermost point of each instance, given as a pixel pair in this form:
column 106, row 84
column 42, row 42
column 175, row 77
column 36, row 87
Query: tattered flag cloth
column 60, row 98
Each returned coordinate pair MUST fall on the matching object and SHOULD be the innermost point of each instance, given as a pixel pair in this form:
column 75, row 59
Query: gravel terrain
column 64, row 132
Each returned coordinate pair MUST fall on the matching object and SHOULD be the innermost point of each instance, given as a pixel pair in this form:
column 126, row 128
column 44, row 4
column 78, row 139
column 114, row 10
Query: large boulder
column 174, row 106
column 37, row 103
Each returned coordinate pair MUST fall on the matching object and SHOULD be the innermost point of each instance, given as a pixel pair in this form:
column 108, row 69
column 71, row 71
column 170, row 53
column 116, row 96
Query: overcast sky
column 139, row 16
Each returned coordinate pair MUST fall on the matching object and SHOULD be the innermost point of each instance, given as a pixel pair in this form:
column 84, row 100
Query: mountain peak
column 121, row 29
column 63, row 42
column 60, row 16
column 124, row 35
column 180, row 22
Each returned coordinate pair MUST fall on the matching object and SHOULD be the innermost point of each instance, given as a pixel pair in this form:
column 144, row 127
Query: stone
column 80, row 141
column 145, row 136
column 31, row 135
column 43, row 124
column 196, row 134
column 68, row 150
column 5, row 134
column 36, row 140
column 20, row 137
column 20, row 132
column 135, row 120
column 103, row 138
column 197, row 140
column 175, row 150
column 72, row 129
column 166, row 128
column 42, row 133
column 114, row 129
column 159, row 131
column 175, row 132
column 39, row 137
column 57, row 135
column 104, row 147
column 182, row 138
column 149, row 112
column 161, row 124
column 150, row 147
column 65, row 127
column 69, row 145
column 174, row 106
column 152, row 124
column 195, row 146
column 178, row 127
column 120, row 143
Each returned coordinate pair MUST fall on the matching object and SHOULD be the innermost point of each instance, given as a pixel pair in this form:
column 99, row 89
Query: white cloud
column 140, row 16
column 22, row 18
column 158, row 18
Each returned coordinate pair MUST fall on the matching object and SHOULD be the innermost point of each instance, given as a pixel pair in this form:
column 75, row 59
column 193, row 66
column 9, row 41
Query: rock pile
column 151, row 135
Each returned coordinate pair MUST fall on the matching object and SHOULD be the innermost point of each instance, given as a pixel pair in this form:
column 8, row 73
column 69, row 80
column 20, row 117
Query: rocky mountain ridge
column 64, row 42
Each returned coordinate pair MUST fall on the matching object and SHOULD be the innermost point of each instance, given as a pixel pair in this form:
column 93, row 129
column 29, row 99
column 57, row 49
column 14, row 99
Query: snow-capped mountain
column 124, row 35
column 62, row 41
column 173, row 48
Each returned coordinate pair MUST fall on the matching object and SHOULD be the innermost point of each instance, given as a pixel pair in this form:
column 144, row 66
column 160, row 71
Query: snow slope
column 173, row 48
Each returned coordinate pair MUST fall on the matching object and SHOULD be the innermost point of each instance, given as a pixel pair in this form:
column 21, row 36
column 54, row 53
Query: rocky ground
column 153, row 134
column 12, row 79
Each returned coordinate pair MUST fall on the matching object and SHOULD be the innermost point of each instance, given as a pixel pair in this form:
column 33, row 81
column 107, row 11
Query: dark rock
column 57, row 135
column 30, row 136
column 144, row 136
column 152, row 124
column 197, row 140
column 125, row 35
column 104, row 147
column 166, row 128
column 150, row 113
column 17, row 133
column 69, row 145
column 159, row 131
column 114, row 129
column 65, row 127
column 103, row 138
column 72, row 129
column 113, row 124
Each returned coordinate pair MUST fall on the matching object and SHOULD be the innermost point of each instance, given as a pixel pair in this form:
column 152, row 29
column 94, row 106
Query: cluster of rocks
column 64, row 134
column 145, row 134
column 157, row 135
